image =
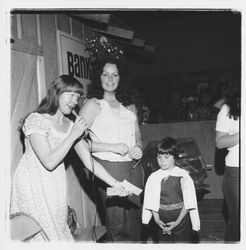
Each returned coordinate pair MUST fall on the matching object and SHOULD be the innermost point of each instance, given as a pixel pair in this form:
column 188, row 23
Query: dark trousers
column 232, row 196
column 123, row 214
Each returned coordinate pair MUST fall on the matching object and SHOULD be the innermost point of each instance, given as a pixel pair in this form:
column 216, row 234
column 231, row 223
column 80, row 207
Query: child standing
column 170, row 197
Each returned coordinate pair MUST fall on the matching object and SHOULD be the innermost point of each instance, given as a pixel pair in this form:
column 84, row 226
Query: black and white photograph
column 124, row 126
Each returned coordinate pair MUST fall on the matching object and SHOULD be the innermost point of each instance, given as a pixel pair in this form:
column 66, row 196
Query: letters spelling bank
column 78, row 65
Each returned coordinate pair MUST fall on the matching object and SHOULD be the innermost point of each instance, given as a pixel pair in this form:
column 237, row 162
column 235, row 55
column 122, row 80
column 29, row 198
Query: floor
column 212, row 221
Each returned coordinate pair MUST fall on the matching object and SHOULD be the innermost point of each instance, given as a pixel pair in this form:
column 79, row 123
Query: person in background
column 170, row 197
column 116, row 140
column 39, row 181
column 191, row 107
column 227, row 136
column 145, row 114
column 175, row 110
column 220, row 99
column 203, row 111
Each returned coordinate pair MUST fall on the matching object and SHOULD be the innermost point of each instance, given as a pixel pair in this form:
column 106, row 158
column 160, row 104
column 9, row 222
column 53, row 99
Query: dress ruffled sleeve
column 35, row 124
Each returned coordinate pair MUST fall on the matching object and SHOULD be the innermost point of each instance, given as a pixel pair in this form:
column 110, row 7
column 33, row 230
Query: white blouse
column 229, row 125
column 114, row 126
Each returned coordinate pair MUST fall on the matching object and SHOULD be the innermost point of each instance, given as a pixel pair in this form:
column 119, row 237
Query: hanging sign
column 73, row 60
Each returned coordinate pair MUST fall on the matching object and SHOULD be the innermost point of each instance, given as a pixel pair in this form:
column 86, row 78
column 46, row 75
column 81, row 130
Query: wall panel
column 29, row 28
column 13, row 23
column 63, row 23
column 24, row 100
column 48, row 36
column 88, row 32
column 77, row 29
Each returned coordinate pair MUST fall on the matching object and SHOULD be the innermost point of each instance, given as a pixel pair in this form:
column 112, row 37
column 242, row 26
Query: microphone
column 74, row 113
column 86, row 132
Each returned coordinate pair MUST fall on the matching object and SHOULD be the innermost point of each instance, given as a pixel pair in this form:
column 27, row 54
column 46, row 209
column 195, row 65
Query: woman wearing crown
column 116, row 137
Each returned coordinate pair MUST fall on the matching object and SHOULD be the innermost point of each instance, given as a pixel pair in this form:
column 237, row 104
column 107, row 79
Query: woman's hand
column 79, row 127
column 122, row 190
column 119, row 148
column 135, row 152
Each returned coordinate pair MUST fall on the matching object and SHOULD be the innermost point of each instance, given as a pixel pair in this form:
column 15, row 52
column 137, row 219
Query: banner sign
column 73, row 60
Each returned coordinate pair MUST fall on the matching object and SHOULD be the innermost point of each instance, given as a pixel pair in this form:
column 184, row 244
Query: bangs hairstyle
column 50, row 103
column 61, row 84
column 68, row 84
column 168, row 145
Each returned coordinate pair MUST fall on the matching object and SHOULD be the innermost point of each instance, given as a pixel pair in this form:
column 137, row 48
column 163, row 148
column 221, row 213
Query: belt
column 172, row 206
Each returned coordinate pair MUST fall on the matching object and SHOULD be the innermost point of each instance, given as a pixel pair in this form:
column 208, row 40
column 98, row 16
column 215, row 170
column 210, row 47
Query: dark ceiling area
column 222, row 19
column 178, row 40
column 185, row 40
column 192, row 47
column 175, row 40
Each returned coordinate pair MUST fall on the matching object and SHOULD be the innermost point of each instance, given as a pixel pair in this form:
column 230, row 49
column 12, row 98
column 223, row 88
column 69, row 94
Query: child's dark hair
column 168, row 145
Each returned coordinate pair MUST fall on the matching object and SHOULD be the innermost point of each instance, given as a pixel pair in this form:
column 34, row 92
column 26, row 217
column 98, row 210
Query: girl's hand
column 160, row 223
column 135, row 152
column 170, row 226
column 120, row 148
column 79, row 127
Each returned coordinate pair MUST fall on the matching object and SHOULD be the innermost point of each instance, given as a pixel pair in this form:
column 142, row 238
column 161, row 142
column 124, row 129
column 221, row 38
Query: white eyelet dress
column 37, row 191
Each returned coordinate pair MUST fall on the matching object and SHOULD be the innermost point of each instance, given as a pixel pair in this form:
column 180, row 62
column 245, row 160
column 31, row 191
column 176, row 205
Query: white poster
column 73, row 60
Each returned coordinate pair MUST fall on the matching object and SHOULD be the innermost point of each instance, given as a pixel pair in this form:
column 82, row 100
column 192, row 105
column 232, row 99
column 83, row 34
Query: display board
column 72, row 58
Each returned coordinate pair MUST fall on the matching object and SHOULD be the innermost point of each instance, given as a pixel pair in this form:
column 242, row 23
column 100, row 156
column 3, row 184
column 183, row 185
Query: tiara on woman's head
column 100, row 48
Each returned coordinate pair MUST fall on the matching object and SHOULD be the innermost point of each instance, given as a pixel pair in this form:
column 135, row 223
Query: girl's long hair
column 50, row 104
column 233, row 95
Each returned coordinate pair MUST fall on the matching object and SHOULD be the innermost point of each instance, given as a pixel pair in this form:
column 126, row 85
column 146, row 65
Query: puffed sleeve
column 35, row 124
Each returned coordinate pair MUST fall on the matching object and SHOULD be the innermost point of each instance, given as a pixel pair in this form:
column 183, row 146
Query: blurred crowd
column 204, row 106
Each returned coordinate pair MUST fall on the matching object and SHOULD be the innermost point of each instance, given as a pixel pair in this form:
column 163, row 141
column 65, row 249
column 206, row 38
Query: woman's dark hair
column 95, row 88
column 219, row 90
column 233, row 94
column 168, row 145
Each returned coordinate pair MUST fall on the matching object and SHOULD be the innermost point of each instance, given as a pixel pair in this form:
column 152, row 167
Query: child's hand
column 160, row 223
column 170, row 226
